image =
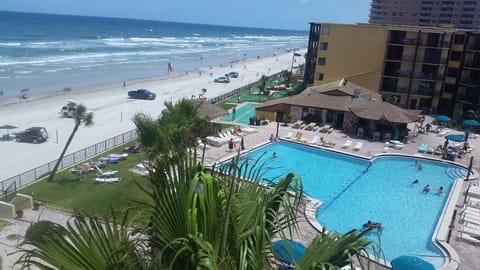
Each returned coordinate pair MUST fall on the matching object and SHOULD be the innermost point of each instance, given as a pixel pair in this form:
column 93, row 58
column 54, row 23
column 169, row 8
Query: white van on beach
column 67, row 110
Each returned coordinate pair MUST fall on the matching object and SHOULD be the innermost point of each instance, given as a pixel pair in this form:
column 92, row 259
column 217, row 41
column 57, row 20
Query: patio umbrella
column 471, row 123
column 443, row 118
column 455, row 137
column 411, row 263
column 8, row 127
column 281, row 251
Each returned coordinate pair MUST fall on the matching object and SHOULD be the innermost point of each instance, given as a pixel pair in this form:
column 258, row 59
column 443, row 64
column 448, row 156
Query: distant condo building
column 458, row 13
column 433, row 69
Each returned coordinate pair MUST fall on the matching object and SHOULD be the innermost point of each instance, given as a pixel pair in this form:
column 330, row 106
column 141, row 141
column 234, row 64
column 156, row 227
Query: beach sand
column 112, row 109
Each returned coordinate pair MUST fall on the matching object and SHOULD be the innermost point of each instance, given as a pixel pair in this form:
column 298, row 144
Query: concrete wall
column 354, row 51
column 7, row 210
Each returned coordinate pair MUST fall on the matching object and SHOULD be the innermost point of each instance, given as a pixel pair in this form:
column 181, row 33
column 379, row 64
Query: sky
column 275, row 14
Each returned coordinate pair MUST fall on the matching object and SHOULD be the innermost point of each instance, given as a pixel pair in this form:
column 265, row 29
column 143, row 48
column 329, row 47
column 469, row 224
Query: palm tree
column 80, row 115
column 85, row 243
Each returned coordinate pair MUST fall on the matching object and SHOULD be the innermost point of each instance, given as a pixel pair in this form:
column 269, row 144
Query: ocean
column 40, row 52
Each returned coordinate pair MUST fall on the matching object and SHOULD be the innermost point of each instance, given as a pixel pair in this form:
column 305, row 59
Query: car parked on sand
column 33, row 135
column 142, row 94
column 232, row 74
column 222, row 80
column 68, row 109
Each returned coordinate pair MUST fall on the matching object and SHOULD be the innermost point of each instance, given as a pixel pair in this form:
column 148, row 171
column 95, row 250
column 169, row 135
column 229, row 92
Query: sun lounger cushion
column 347, row 144
column 358, row 146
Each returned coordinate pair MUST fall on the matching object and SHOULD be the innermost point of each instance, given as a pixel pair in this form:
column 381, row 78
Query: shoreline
column 39, row 95
column 113, row 110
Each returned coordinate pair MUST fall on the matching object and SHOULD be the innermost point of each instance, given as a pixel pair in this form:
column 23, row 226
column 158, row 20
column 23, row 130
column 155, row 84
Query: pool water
column 353, row 194
column 242, row 114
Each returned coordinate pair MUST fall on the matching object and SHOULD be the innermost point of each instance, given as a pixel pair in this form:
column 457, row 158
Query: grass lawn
column 68, row 192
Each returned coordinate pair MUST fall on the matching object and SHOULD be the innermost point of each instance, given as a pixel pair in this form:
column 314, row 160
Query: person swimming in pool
column 415, row 182
column 373, row 225
column 426, row 189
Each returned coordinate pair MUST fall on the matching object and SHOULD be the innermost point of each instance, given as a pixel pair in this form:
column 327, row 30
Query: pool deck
column 466, row 251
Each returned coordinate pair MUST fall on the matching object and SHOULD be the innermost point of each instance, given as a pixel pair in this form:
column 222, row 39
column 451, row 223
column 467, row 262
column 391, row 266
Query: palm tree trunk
column 52, row 173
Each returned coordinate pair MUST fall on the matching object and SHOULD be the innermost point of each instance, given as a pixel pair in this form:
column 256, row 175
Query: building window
column 326, row 29
column 455, row 56
column 319, row 76
column 323, row 46
column 458, row 39
column 321, row 61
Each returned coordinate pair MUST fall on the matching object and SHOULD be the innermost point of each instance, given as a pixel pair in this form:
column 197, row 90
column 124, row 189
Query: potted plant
column 19, row 213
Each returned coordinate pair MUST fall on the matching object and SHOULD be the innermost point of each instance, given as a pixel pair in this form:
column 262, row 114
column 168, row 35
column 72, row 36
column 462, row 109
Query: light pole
column 293, row 59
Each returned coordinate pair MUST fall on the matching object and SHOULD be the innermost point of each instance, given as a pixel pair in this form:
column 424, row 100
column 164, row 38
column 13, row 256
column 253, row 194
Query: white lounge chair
column 315, row 140
column 358, row 146
column 347, row 144
column 470, row 230
column 468, row 237
column 289, row 135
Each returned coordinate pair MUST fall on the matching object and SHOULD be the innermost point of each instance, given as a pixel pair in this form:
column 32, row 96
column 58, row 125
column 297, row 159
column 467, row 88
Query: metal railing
column 69, row 160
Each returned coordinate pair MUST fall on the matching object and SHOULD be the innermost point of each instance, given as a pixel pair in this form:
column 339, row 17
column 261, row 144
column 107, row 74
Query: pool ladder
column 338, row 194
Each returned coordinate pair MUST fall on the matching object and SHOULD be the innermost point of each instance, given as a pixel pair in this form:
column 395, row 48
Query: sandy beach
column 112, row 109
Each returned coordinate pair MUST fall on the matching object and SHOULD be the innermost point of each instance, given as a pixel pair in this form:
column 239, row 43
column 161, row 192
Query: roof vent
column 357, row 91
column 342, row 82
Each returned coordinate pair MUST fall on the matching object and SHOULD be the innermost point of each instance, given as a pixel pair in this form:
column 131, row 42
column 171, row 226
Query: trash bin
column 257, row 122
column 251, row 121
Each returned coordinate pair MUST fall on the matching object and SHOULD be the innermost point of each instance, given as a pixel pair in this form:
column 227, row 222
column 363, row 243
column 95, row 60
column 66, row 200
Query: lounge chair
column 248, row 130
column 297, row 124
column 423, row 148
column 347, row 144
column 107, row 177
column 430, row 150
column 468, row 237
column 442, row 132
column 358, row 146
column 134, row 148
column 325, row 128
column 216, row 141
column 315, row 140
column 289, row 135
column 475, row 232
column 311, row 126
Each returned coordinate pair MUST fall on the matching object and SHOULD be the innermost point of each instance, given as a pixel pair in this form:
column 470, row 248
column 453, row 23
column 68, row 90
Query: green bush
column 38, row 232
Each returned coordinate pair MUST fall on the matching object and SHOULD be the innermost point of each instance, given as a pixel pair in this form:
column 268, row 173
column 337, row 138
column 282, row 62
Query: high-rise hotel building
column 429, row 68
column 455, row 13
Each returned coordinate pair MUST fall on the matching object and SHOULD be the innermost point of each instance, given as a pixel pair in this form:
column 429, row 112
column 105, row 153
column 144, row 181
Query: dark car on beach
column 141, row 94
column 232, row 74
column 32, row 135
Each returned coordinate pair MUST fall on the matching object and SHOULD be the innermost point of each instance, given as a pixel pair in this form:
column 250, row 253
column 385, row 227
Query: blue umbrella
column 281, row 251
column 471, row 122
column 443, row 118
column 411, row 263
column 455, row 137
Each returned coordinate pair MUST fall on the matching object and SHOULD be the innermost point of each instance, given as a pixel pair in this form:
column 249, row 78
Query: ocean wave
column 23, row 71
column 56, row 70
column 10, row 44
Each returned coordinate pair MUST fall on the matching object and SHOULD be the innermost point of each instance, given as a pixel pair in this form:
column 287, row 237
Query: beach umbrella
column 24, row 90
column 281, row 251
column 8, row 127
column 471, row 123
column 455, row 137
column 411, row 263
column 443, row 118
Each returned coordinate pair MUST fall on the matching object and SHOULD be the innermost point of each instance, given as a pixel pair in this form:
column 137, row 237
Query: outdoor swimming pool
column 242, row 114
column 384, row 193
